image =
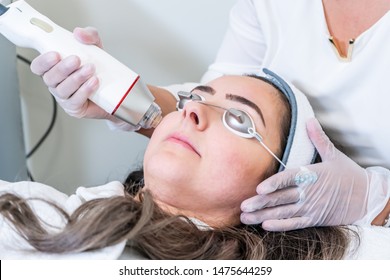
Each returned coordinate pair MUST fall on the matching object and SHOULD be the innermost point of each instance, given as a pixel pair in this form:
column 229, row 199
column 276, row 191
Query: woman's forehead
column 256, row 91
column 241, row 85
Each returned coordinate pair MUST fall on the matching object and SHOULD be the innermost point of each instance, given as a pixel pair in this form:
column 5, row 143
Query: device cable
column 48, row 130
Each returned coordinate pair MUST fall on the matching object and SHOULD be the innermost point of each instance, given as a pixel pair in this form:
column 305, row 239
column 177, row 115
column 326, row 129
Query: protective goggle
column 236, row 121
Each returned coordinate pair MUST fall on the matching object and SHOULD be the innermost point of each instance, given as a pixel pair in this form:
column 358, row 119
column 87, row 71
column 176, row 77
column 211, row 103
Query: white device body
column 121, row 92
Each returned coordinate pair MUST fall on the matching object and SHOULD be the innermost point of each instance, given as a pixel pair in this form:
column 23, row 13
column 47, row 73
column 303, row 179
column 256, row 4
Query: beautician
column 334, row 51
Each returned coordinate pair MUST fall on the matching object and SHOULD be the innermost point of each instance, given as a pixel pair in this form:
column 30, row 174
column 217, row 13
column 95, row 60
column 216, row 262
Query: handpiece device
column 121, row 92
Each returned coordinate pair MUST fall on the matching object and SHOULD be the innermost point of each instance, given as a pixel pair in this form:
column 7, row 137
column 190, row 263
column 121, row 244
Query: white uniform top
column 291, row 38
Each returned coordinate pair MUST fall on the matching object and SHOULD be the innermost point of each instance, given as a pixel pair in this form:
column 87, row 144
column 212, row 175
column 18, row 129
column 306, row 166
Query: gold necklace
column 343, row 58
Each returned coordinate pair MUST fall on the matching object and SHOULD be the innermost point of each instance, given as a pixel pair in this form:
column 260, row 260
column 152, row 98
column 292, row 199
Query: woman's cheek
column 160, row 133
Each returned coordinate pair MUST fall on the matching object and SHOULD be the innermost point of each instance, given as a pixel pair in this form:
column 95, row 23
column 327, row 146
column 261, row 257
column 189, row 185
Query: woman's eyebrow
column 246, row 102
column 206, row 89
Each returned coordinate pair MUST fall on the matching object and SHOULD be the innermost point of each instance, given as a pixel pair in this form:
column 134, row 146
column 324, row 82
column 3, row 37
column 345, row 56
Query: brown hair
column 157, row 235
column 102, row 222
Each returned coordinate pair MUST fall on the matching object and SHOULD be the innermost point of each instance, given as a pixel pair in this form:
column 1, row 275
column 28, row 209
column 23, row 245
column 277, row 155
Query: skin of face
column 195, row 166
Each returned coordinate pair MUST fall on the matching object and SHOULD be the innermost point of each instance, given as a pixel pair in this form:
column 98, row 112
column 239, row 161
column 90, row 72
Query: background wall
column 12, row 154
column 169, row 41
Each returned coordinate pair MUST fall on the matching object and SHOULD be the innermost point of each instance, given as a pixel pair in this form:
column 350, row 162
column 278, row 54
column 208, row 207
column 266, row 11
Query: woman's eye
column 185, row 97
column 238, row 115
column 237, row 121
column 196, row 97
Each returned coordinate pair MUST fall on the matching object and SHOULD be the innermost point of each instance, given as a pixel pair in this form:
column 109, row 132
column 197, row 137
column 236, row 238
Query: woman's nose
column 196, row 114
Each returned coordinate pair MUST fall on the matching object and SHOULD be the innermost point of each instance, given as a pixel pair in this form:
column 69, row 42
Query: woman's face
column 195, row 166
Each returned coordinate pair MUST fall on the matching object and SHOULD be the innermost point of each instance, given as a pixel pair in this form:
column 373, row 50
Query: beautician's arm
column 71, row 84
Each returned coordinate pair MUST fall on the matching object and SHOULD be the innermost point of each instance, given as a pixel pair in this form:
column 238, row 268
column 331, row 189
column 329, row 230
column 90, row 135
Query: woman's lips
column 183, row 141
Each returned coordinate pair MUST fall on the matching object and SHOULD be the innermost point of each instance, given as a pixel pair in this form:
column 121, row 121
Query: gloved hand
column 70, row 83
column 338, row 197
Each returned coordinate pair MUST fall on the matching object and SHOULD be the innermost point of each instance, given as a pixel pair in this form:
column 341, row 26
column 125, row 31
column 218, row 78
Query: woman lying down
column 202, row 161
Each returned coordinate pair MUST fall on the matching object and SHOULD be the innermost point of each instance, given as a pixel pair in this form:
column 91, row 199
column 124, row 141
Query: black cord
column 48, row 130
column 22, row 58
column 30, row 175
